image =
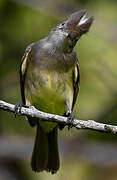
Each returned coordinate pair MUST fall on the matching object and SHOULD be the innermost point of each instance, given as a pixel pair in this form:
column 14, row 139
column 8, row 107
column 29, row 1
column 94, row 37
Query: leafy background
column 85, row 155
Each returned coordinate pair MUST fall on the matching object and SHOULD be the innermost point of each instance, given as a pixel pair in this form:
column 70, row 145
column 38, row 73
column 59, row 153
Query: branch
column 79, row 124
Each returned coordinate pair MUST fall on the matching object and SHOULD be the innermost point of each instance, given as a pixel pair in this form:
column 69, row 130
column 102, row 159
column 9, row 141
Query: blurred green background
column 85, row 155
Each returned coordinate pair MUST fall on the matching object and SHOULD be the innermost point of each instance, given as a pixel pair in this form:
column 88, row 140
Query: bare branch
column 79, row 124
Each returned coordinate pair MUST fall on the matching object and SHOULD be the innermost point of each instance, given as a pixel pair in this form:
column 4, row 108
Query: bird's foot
column 70, row 120
column 18, row 108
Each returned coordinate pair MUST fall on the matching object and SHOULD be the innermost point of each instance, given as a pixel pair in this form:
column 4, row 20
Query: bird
column 49, row 81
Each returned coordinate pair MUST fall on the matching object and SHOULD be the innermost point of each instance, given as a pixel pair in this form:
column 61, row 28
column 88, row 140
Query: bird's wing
column 23, row 68
column 76, row 81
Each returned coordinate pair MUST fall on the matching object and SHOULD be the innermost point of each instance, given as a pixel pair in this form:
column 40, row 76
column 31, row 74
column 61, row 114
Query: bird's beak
column 78, row 24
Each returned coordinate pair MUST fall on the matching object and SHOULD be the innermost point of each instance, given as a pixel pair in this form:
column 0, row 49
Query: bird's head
column 67, row 34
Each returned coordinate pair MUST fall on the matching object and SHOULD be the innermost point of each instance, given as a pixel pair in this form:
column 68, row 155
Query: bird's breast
column 48, row 91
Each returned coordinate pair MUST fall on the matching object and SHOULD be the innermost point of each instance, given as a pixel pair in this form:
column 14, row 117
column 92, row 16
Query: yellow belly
column 49, row 93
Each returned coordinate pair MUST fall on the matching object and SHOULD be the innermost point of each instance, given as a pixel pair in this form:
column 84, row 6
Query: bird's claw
column 18, row 108
column 70, row 120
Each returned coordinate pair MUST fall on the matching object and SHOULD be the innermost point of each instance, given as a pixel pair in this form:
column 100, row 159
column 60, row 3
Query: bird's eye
column 61, row 26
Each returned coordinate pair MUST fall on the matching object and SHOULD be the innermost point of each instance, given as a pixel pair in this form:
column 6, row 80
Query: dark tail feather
column 53, row 154
column 45, row 154
column 40, row 152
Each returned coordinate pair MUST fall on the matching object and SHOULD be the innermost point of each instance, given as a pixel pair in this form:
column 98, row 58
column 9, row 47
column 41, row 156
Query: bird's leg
column 70, row 115
column 18, row 108
column 70, row 120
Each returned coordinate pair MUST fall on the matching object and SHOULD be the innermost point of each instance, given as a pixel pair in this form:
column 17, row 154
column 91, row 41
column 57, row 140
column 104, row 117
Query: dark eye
column 62, row 24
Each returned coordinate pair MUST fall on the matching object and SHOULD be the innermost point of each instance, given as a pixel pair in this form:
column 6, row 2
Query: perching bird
column 49, row 78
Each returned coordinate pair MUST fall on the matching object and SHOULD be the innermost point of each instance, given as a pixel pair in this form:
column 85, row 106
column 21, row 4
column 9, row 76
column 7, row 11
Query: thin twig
column 79, row 124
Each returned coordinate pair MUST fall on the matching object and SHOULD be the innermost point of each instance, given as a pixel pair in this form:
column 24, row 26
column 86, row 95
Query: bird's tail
column 45, row 154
